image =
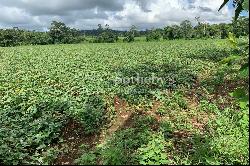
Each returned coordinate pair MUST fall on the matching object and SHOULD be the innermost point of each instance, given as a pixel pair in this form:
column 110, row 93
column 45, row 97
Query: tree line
column 59, row 33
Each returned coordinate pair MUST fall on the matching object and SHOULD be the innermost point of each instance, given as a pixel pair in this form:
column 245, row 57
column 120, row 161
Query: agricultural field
column 164, row 102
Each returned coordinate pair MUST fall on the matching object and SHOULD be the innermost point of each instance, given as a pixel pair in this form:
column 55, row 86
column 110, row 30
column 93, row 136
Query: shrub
column 28, row 132
column 153, row 153
column 93, row 115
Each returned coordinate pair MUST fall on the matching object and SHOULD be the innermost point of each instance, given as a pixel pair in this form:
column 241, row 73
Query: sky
column 119, row 14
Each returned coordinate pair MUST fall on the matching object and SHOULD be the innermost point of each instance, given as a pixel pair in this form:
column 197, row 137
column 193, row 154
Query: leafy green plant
column 45, row 76
column 241, row 59
column 106, row 35
column 120, row 148
column 154, row 152
column 88, row 156
column 161, row 111
column 93, row 116
column 130, row 35
column 242, row 97
column 226, row 139
column 28, row 131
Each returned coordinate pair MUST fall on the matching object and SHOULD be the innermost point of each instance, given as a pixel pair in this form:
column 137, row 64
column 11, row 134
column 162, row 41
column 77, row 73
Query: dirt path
column 74, row 137
column 122, row 117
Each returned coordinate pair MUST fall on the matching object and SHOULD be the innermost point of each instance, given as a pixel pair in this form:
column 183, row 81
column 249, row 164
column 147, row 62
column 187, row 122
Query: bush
column 9, row 37
column 93, row 115
column 153, row 35
column 106, row 37
column 154, row 152
column 87, row 158
column 226, row 140
column 28, row 131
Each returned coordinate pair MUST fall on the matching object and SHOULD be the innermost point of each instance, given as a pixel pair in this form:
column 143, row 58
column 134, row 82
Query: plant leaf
column 240, row 94
column 246, row 5
column 245, row 66
column 229, row 59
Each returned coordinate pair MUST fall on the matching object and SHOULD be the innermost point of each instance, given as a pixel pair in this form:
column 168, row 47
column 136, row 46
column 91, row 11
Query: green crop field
column 162, row 102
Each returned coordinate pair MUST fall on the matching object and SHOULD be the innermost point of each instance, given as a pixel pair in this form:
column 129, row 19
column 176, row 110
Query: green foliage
column 131, row 34
column 153, row 35
column 225, row 29
column 204, row 30
column 240, row 59
column 87, row 158
column 246, row 5
column 242, row 96
column 168, row 33
column 226, row 140
column 154, row 152
column 106, row 35
column 240, row 26
column 86, row 77
column 28, row 131
column 186, row 29
column 122, row 147
column 60, row 33
column 93, row 116
column 9, row 37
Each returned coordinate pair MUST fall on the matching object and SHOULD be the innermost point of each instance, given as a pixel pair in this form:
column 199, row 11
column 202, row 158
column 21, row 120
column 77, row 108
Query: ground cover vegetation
column 167, row 102
column 46, row 93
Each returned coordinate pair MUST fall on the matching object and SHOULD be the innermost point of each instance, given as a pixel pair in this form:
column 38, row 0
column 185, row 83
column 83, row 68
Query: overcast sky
column 119, row 14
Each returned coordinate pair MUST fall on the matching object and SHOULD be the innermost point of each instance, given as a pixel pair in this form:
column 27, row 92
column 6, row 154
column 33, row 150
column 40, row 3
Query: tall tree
column 168, row 33
column 186, row 29
column 131, row 34
column 58, row 32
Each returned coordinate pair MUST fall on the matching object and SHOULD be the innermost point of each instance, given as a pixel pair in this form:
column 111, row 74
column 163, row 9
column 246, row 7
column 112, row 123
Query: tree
column 177, row 32
column 58, row 32
column 130, row 35
column 105, row 35
column 224, row 30
column 168, row 33
column 10, row 37
column 99, row 29
column 186, row 29
column 201, row 30
column 213, row 31
column 239, row 6
column 154, row 34
column 241, row 26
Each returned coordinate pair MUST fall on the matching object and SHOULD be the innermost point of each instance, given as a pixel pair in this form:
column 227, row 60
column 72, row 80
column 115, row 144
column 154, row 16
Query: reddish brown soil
column 123, row 116
column 73, row 133
column 229, row 86
column 74, row 137
column 153, row 111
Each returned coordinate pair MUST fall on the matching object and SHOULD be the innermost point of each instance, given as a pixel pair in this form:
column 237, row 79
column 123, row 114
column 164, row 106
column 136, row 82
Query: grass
column 182, row 111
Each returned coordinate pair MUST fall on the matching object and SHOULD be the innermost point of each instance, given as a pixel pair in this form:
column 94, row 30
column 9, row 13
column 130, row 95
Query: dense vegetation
column 187, row 118
column 158, row 103
column 59, row 33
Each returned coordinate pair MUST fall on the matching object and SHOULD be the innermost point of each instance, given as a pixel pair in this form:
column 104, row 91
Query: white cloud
column 119, row 14
column 166, row 12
